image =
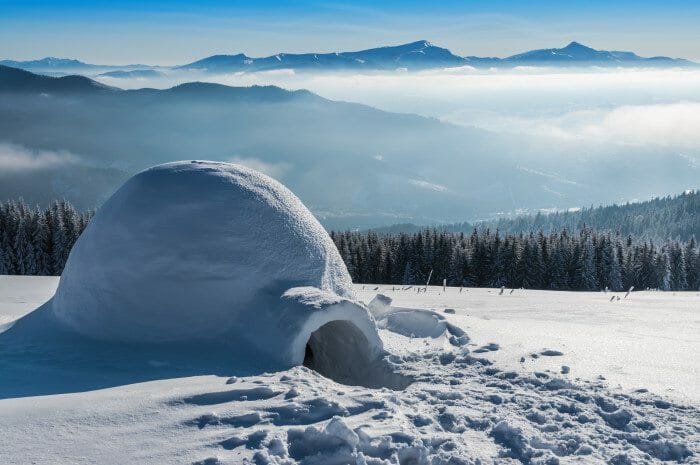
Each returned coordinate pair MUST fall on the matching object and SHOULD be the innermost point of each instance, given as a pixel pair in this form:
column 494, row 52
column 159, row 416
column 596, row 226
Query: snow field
column 651, row 340
column 20, row 295
column 465, row 406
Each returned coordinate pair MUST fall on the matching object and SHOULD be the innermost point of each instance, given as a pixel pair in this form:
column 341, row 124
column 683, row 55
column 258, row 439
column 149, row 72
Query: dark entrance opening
column 338, row 350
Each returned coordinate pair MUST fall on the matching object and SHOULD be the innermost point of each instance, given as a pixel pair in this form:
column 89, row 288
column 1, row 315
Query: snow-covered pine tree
column 615, row 276
column 692, row 265
column 42, row 244
column 558, row 276
column 664, row 270
column 679, row 279
column 588, row 279
column 23, row 249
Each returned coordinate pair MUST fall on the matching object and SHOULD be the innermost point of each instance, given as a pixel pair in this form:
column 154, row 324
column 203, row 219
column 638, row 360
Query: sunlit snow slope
column 649, row 340
column 470, row 404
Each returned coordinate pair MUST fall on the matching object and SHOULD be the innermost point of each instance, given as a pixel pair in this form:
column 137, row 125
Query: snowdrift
column 191, row 252
column 414, row 322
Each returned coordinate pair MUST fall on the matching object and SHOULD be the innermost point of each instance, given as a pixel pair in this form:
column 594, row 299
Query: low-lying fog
column 593, row 107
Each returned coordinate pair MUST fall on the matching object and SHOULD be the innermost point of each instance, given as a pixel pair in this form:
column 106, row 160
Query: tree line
column 35, row 241
column 584, row 260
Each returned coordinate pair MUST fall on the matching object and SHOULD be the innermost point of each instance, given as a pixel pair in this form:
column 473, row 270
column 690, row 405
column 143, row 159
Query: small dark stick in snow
column 430, row 275
column 629, row 291
column 511, row 291
column 503, row 288
column 612, row 298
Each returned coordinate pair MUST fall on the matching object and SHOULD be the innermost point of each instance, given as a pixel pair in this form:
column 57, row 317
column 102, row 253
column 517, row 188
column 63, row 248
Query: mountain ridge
column 67, row 64
column 417, row 55
column 20, row 81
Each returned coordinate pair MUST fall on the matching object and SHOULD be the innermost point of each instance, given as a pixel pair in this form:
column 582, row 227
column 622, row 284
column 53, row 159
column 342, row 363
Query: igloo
column 204, row 251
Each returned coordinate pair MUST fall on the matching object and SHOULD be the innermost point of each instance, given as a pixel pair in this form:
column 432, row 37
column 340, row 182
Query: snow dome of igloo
column 202, row 251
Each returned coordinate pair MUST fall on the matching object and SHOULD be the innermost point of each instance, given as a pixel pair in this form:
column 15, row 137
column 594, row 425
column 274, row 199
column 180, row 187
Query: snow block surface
column 197, row 250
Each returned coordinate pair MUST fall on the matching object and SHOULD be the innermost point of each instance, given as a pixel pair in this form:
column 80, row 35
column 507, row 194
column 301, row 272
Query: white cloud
column 15, row 158
column 675, row 124
column 662, row 125
column 274, row 170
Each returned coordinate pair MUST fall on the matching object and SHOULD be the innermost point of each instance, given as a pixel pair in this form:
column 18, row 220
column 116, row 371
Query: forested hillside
column 659, row 219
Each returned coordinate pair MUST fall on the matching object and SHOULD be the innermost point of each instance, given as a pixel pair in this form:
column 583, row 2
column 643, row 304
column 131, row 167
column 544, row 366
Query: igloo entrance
column 340, row 351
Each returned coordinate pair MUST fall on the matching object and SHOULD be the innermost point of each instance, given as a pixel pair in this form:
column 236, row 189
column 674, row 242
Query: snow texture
column 462, row 408
column 198, row 251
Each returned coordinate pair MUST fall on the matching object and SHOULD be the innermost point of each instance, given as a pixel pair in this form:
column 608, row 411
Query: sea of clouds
column 597, row 107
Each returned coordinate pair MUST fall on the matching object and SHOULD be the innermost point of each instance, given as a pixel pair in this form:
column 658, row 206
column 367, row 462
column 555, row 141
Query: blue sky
column 173, row 32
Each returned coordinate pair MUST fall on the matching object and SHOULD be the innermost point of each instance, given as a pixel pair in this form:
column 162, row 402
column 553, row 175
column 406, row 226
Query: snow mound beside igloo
column 203, row 251
column 414, row 322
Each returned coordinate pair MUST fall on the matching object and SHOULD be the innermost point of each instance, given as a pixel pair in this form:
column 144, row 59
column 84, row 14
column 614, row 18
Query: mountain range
column 353, row 165
column 417, row 55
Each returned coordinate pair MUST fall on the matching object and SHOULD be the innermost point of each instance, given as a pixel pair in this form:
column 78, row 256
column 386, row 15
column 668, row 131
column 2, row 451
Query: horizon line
column 427, row 42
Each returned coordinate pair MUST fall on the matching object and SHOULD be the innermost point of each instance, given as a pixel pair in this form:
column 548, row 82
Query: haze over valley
column 431, row 145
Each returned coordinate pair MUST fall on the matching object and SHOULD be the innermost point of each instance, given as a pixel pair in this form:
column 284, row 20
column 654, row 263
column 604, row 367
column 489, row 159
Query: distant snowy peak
column 47, row 63
column 573, row 51
column 415, row 55
column 578, row 54
column 217, row 62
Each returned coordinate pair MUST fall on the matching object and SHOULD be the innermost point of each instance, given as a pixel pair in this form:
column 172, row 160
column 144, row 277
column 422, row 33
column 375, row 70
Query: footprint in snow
column 212, row 398
column 551, row 353
column 490, row 347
